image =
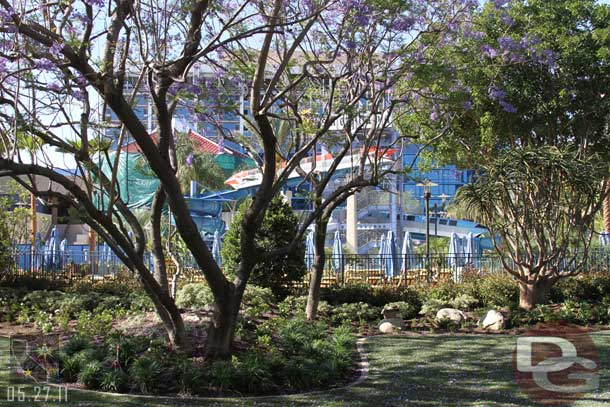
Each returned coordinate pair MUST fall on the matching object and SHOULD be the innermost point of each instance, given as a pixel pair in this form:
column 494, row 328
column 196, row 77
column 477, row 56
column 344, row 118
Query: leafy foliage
column 278, row 230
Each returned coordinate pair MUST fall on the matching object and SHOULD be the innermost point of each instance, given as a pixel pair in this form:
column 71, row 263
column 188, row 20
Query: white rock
column 494, row 321
column 454, row 315
column 390, row 325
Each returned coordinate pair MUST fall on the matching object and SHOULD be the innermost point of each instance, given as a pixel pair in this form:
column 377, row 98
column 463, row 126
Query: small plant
column 93, row 325
column 194, row 296
column 76, row 344
column 91, row 374
column 431, row 307
column 114, row 380
column 70, row 368
column 188, row 376
column 145, row 373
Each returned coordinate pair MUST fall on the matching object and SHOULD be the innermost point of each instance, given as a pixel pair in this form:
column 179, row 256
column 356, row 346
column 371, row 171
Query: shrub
column 188, row 376
column 278, row 229
column 91, row 374
column 432, row 305
column 94, row 324
column 114, row 380
column 377, row 297
column 464, row 302
column 498, row 290
column 76, row 343
column 586, row 287
column 125, row 349
column 360, row 312
column 145, row 373
column 70, row 368
column 257, row 301
column 194, row 296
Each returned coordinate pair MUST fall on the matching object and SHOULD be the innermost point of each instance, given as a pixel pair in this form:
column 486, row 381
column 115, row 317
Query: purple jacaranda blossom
column 507, row 44
column 507, row 20
column 434, row 116
column 547, row 57
column 403, row 23
column 507, row 106
column 78, row 95
column 496, row 94
column 55, row 86
column 475, row 35
column 55, row 49
column 44, row 64
column 189, row 160
column 489, row 51
column 501, row 3
column 3, row 65
column 6, row 14
column 467, row 105
column 516, row 58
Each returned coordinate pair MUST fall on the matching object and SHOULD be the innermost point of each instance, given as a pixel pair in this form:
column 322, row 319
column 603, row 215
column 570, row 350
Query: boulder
column 454, row 315
column 494, row 321
column 390, row 325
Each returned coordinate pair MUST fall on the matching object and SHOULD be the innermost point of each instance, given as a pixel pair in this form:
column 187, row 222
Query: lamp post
column 427, row 185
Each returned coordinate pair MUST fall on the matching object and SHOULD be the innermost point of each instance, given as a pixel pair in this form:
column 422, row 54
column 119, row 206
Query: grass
column 434, row 370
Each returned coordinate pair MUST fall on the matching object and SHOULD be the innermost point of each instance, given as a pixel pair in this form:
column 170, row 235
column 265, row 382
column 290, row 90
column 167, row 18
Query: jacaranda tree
column 70, row 71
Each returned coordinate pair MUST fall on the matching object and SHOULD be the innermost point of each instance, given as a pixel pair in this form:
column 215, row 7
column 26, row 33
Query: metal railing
column 347, row 269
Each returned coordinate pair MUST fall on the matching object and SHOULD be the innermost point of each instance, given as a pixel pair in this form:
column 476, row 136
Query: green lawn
column 431, row 370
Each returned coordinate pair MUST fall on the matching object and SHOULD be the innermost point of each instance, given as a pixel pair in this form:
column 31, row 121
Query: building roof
column 201, row 144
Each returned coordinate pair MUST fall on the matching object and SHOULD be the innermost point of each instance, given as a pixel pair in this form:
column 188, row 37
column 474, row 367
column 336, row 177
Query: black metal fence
column 347, row 269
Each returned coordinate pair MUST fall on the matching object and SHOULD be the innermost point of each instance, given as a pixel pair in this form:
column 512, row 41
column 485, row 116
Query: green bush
column 91, row 375
column 146, row 373
column 257, row 301
column 194, row 296
column 188, row 376
column 77, row 343
column 114, row 380
column 94, row 324
column 125, row 349
column 278, row 229
column 498, row 290
column 586, row 287
column 377, row 297
column 359, row 312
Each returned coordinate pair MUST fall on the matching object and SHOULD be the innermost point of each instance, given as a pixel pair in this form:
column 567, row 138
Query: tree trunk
column 222, row 329
column 532, row 294
column 168, row 312
column 607, row 213
column 313, row 297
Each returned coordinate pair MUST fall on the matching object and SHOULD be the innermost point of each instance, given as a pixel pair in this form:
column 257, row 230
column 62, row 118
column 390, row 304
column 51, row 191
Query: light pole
column 427, row 185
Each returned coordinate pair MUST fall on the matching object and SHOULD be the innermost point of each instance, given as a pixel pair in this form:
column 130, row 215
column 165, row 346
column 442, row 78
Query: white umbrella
column 310, row 250
column 52, row 250
column 62, row 252
column 337, row 253
column 381, row 252
column 390, row 255
column 469, row 249
column 407, row 251
column 216, row 249
column 38, row 252
column 604, row 238
column 455, row 250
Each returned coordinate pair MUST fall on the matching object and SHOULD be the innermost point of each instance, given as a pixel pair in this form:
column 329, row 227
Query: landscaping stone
column 494, row 321
column 390, row 325
column 454, row 315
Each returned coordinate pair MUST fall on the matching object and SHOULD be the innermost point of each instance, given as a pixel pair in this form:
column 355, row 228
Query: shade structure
column 51, row 256
column 216, row 249
column 407, row 252
column 604, row 238
column 391, row 256
column 455, row 253
column 310, row 250
column 337, row 253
